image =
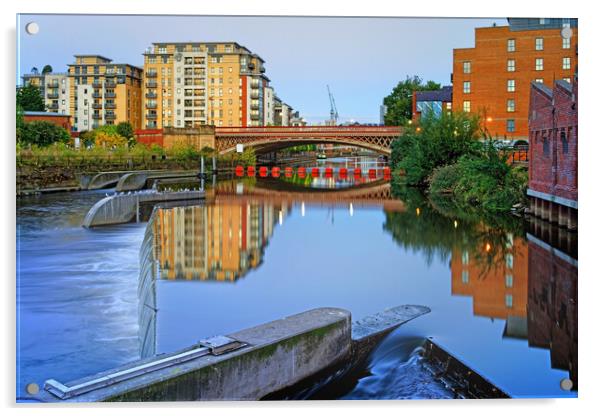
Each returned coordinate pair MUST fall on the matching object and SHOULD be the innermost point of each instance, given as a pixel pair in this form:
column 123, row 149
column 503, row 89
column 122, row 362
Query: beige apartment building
column 191, row 84
column 55, row 89
column 104, row 93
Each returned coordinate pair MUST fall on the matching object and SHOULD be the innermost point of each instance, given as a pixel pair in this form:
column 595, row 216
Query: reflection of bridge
column 268, row 139
column 377, row 193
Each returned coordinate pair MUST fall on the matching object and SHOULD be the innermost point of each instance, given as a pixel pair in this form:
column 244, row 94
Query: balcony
column 97, row 106
column 151, row 105
column 151, row 125
column 152, row 74
column 110, row 84
column 97, row 84
column 151, row 116
column 110, row 95
column 254, row 116
column 255, row 94
column 53, row 106
column 96, row 95
column 151, row 95
column 96, row 116
column 52, row 85
column 254, row 84
column 53, row 95
column 254, row 106
column 109, row 115
column 151, row 84
column 110, row 74
column 110, row 105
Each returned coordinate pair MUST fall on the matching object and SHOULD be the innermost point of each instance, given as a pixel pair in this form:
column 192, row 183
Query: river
column 259, row 249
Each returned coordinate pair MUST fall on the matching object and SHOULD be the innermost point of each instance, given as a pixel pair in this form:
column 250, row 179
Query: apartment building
column 55, row 89
column 282, row 112
column 493, row 78
column 268, row 106
column 104, row 93
column 196, row 83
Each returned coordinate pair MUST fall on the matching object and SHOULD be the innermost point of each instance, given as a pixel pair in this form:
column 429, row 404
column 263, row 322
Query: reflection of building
column 498, row 291
column 217, row 242
column 552, row 305
column 494, row 77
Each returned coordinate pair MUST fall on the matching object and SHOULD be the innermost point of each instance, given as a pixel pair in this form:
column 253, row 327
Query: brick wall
column 553, row 140
column 63, row 121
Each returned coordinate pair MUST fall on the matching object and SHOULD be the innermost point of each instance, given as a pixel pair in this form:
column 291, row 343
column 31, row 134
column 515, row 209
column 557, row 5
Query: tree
column 42, row 133
column 399, row 102
column 126, row 130
column 29, row 98
column 104, row 139
column 47, row 69
column 34, row 70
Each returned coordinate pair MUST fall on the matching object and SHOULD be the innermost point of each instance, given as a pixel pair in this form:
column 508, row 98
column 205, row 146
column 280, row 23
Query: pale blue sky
column 361, row 59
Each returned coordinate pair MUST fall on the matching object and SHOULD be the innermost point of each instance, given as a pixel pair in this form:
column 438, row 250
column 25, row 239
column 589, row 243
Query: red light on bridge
column 251, row 171
column 328, row 172
column 275, row 172
column 239, row 170
column 357, row 172
column 343, row 172
column 288, row 172
column 372, row 173
column 315, row 172
column 263, row 171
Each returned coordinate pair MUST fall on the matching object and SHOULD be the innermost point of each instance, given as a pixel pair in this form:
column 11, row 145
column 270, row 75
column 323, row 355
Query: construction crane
column 334, row 114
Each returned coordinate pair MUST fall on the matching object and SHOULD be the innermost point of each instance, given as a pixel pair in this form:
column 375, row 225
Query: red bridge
column 268, row 139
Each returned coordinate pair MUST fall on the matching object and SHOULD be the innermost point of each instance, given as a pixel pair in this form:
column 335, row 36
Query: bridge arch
column 267, row 139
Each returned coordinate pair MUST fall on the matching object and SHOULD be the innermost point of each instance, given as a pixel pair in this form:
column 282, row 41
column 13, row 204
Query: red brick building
column 61, row 120
column 553, row 164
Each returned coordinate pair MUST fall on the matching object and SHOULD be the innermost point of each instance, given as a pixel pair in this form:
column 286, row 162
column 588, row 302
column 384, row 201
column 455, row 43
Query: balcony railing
column 151, row 95
column 151, row 125
column 52, row 85
column 254, row 84
column 53, row 95
column 53, row 106
column 110, row 95
column 96, row 95
column 255, row 94
column 151, row 84
column 110, row 105
column 109, row 115
column 151, row 116
column 96, row 116
column 151, row 74
column 151, row 105
column 97, row 106
column 97, row 83
column 110, row 84
column 254, row 116
column 254, row 106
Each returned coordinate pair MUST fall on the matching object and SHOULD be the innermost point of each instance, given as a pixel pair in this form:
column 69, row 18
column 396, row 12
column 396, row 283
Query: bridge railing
column 308, row 129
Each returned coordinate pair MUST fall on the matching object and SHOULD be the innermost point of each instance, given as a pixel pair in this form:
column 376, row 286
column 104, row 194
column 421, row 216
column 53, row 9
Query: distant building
column 268, row 106
column 493, row 78
column 104, row 93
column 54, row 88
column 61, row 120
column 432, row 102
column 553, row 134
column 383, row 111
column 297, row 120
column 282, row 113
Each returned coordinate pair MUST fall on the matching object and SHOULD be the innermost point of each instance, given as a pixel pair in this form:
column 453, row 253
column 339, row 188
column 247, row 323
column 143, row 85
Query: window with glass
column 567, row 79
column 539, row 44
column 510, row 125
column 511, row 85
column 510, row 105
column 539, row 80
column 566, row 43
column 509, row 280
column 466, row 67
column 509, row 301
column 466, row 106
column 466, row 87
column 511, row 47
column 566, row 63
column 465, row 277
column 511, row 65
column 539, row 64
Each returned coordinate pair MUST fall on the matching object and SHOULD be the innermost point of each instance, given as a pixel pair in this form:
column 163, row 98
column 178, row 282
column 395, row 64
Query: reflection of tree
column 437, row 226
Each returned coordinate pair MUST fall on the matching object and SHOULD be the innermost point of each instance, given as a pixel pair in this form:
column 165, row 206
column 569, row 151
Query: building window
column 539, row 64
column 539, row 80
column 510, row 126
column 568, row 79
column 566, row 43
column 465, row 257
column 565, row 142
column 511, row 45
column 508, row 301
column 466, row 67
column 511, row 85
column 466, row 106
column 509, row 280
column 511, row 65
column 546, row 146
column 465, row 277
column 566, row 63
column 466, row 87
column 543, row 21
column 539, row 44
column 510, row 105
column 509, row 261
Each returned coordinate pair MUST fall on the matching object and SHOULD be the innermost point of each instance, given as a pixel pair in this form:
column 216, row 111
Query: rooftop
column 444, row 94
column 44, row 113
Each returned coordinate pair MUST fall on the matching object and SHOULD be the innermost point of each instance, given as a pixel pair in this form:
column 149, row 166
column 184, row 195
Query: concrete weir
column 246, row 365
column 123, row 208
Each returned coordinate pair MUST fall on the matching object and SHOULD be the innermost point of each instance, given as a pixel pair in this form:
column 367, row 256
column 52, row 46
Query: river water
column 258, row 249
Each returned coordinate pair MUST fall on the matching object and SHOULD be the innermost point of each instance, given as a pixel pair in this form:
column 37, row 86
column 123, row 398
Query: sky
column 361, row 59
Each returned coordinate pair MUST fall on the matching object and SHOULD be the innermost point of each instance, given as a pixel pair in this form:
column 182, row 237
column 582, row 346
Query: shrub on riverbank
column 434, row 142
column 484, row 180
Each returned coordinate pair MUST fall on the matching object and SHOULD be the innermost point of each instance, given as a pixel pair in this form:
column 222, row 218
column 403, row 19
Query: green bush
column 444, row 179
column 42, row 133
